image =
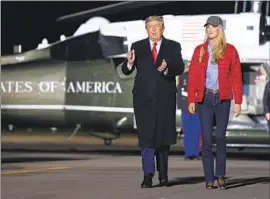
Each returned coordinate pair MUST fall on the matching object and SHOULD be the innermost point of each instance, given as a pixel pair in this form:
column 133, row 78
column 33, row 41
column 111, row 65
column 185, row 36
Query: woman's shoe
column 221, row 183
column 210, row 185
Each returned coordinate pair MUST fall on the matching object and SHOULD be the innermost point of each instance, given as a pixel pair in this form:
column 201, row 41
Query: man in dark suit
column 157, row 61
column 266, row 103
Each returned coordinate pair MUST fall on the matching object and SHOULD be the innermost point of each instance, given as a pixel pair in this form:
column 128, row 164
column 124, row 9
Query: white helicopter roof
column 91, row 25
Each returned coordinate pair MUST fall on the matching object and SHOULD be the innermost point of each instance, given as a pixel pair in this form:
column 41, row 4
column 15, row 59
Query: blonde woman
column 214, row 79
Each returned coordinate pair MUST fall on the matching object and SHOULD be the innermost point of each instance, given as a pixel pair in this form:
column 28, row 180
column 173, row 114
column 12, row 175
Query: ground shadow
column 235, row 183
column 36, row 159
column 185, row 180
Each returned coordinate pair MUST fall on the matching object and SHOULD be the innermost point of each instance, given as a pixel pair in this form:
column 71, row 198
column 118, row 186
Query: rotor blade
column 109, row 9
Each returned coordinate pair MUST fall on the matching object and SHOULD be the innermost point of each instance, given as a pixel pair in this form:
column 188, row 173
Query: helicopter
column 77, row 82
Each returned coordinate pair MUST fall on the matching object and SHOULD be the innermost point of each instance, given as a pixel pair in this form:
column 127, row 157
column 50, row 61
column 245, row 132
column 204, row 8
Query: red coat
column 229, row 75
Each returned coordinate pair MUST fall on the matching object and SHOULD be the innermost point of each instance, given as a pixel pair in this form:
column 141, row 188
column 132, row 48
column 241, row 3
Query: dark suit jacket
column 154, row 93
column 145, row 82
column 266, row 98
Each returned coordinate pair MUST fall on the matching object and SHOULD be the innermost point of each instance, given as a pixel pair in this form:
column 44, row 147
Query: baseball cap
column 214, row 21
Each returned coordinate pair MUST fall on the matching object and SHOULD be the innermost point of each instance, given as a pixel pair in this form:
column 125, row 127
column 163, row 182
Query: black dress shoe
column 147, row 181
column 164, row 183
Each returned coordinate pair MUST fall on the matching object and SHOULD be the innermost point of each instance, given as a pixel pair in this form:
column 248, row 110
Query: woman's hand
column 191, row 108
column 237, row 110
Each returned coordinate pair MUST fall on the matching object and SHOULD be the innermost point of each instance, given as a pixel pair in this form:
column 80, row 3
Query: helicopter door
column 103, row 97
column 123, row 101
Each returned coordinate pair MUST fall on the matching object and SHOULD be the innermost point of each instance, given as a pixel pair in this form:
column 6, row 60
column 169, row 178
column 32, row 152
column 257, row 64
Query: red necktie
column 154, row 52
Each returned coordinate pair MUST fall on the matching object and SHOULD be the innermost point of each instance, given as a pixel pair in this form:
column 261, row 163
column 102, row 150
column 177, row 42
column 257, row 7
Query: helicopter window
column 89, row 47
column 112, row 45
column 79, row 48
column 84, row 47
column 250, row 27
column 58, row 51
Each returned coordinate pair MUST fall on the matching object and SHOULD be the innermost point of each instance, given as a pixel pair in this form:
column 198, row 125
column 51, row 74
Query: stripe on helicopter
column 68, row 107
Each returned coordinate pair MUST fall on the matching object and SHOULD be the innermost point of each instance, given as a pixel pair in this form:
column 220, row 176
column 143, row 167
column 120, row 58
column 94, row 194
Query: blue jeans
column 210, row 107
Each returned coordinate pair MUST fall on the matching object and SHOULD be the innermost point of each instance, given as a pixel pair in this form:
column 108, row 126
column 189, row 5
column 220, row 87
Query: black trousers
column 162, row 157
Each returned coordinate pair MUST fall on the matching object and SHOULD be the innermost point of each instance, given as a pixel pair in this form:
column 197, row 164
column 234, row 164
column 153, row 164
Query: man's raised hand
column 163, row 66
column 131, row 57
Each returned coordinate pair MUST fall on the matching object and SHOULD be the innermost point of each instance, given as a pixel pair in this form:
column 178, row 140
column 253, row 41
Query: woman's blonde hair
column 218, row 49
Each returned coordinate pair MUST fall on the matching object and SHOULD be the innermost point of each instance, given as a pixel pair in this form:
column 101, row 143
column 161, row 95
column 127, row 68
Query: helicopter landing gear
column 107, row 142
column 241, row 149
column 10, row 127
column 53, row 130
column 107, row 137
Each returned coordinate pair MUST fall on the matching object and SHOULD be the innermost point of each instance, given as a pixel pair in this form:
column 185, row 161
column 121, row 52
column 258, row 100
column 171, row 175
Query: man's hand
column 163, row 66
column 131, row 57
column 191, row 108
column 237, row 110
column 267, row 116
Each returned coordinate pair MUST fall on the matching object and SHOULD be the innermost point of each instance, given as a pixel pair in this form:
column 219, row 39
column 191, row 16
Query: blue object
column 192, row 131
column 246, row 89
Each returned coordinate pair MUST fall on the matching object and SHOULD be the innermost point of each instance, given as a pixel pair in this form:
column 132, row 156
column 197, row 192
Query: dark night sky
column 27, row 23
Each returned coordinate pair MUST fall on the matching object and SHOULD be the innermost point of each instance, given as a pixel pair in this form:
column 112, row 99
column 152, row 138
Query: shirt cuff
column 165, row 71
column 129, row 66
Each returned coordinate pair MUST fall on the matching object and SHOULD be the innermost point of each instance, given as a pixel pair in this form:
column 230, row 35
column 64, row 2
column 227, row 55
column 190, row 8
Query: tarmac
column 118, row 174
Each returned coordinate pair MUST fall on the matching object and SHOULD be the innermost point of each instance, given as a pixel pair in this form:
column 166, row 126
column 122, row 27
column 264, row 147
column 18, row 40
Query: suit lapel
column 147, row 49
column 161, row 50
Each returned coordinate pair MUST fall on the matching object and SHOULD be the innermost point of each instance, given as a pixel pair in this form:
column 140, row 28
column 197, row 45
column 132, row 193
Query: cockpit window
column 80, row 48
